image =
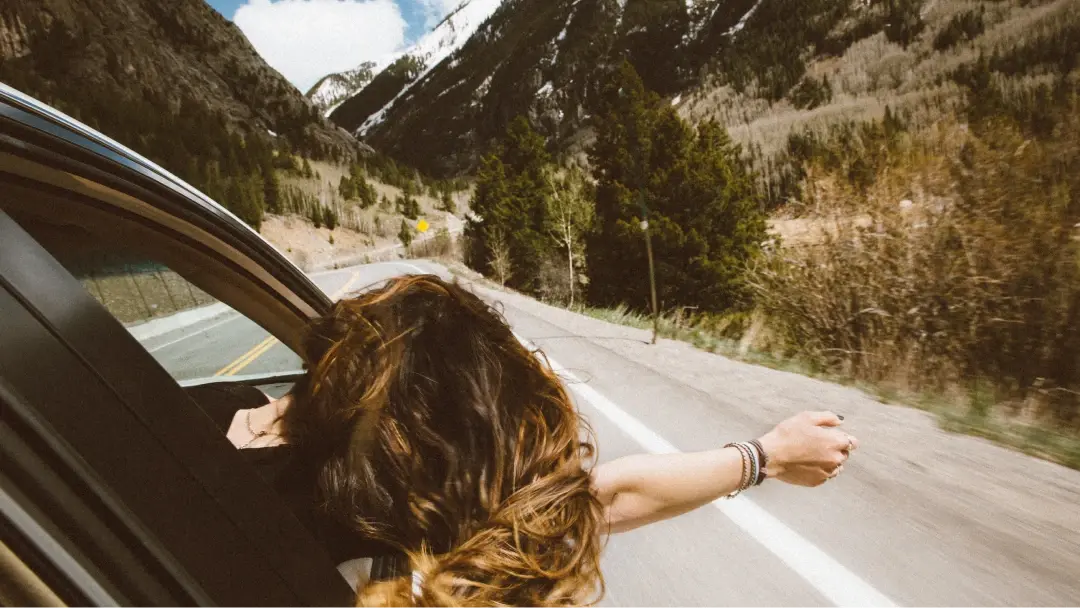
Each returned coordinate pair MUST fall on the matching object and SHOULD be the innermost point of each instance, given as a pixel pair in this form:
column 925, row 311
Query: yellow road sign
column 423, row 226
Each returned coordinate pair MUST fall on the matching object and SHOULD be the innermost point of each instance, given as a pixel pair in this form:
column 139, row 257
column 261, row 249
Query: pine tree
column 356, row 174
column 368, row 195
column 233, row 196
column 232, row 167
column 347, row 188
column 364, row 190
column 408, row 206
column 330, row 217
column 691, row 186
column 903, row 22
column 247, row 200
column 446, row 202
column 405, row 234
column 271, row 187
column 511, row 199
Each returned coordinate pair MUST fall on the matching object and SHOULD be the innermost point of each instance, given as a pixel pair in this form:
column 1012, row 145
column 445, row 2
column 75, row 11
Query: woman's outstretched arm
column 805, row 450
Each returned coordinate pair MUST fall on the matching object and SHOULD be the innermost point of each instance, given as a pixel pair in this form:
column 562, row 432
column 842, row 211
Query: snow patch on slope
column 735, row 29
column 333, row 90
column 437, row 45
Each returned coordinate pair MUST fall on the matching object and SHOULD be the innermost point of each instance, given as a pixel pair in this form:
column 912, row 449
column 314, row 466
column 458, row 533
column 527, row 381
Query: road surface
column 918, row 518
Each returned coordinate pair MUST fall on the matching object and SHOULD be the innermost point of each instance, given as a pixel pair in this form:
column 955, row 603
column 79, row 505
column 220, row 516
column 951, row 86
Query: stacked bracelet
column 744, row 479
column 763, row 472
column 754, row 463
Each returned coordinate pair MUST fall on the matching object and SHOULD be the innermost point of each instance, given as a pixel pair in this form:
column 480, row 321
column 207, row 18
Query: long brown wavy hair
column 438, row 434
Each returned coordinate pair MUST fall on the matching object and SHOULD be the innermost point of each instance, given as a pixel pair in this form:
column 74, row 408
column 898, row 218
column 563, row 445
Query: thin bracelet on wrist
column 753, row 466
column 745, row 469
column 763, row 474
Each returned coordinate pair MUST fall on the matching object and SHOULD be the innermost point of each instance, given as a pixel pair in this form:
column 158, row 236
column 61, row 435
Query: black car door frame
column 129, row 482
column 169, row 486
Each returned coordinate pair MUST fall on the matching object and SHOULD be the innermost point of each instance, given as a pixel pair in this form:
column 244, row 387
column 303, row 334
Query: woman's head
column 438, row 433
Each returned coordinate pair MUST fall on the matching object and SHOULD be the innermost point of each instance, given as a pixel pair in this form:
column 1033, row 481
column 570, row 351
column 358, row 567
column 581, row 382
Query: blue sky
column 307, row 39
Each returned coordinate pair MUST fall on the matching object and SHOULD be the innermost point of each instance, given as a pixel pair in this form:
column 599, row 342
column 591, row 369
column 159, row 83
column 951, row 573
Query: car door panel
column 150, row 444
column 52, row 470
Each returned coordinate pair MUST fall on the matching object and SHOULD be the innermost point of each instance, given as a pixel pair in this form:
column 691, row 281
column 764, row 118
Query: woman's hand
column 808, row 449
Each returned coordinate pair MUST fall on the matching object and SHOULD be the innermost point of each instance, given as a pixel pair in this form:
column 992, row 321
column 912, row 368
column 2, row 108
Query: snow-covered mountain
column 441, row 105
column 333, row 89
column 492, row 60
column 445, row 38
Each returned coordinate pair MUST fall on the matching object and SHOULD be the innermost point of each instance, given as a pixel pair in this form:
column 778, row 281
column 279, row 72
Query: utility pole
column 652, row 267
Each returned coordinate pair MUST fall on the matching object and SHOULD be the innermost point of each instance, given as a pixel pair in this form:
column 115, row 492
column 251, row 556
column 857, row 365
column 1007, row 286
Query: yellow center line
column 230, row 367
column 260, row 349
column 255, row 355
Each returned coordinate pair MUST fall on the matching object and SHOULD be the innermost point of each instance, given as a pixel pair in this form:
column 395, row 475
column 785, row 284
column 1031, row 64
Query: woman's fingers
column 834, row 439
column 824, row 419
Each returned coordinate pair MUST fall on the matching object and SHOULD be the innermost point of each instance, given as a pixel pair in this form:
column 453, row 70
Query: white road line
column 841, row 586
column 415, row 268
column 412, row 267
column 192, row 335
column 235, row 315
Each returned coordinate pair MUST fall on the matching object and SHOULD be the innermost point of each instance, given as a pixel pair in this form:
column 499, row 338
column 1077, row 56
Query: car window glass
column 191, row 334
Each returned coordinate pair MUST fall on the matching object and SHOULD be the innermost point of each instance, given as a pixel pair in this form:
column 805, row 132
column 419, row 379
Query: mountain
column 112, row 61
column 333, row 89
column 543, row 58
column 533, row 57
column 445, row 38
column 397, row 71
column 762, row 67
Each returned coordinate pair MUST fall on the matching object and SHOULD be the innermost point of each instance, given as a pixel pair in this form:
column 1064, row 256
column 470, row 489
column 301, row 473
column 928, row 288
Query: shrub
column 979, row 284
column 965, row 26
column 811, row 93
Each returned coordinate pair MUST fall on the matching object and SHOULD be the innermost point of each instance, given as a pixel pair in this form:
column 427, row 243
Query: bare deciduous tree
column 499, row 251
column 572, row 211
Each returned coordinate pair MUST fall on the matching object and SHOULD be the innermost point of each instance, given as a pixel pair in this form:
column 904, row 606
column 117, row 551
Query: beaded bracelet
column 763, row 474
column 751, row 467
column 745, row 466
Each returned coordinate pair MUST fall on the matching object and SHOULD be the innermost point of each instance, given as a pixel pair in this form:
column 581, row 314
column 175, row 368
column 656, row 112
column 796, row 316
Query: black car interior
column 136, row 496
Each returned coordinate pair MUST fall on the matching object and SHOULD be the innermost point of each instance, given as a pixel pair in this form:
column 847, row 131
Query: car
column 119, row 286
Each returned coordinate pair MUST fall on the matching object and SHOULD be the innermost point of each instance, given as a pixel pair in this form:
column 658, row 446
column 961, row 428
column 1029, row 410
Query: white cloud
column 308, row 39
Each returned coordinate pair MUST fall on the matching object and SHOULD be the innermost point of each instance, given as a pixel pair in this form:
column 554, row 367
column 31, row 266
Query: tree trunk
column 570, row 257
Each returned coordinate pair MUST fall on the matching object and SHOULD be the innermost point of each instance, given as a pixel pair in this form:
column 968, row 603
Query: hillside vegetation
column 932, row 161
column 182, row 86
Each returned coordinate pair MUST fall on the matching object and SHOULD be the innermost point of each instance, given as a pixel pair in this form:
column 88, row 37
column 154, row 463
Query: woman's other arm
column 805, row 450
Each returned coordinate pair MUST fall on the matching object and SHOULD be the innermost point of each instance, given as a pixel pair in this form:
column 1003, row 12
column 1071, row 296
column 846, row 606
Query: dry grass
column 973, row 280
column 957, row 409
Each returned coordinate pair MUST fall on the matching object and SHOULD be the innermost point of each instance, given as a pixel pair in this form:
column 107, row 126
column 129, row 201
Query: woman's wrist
column 771, row 445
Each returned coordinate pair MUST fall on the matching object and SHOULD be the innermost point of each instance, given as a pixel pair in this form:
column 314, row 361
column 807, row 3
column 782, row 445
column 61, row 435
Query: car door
column 115, row 488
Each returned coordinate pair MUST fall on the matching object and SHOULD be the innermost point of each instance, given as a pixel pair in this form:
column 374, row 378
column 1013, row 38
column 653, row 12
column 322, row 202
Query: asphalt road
column 848, row 543
column 232, row 345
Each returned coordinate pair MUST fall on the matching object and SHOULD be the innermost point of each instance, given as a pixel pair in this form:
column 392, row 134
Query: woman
column 428, row 431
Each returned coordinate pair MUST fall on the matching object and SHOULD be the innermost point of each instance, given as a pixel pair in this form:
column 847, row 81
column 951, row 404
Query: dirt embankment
column 314, row 249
